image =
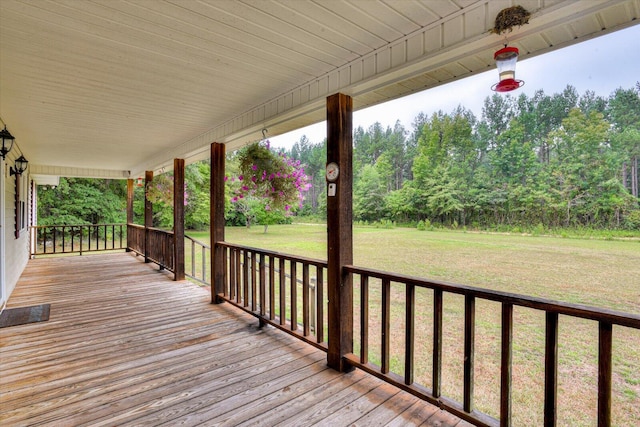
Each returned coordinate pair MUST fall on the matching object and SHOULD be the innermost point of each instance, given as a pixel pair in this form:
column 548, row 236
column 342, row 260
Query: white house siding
column 16, row 251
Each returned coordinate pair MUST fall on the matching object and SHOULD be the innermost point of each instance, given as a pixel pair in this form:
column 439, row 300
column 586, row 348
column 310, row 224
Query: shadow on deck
column 127, row 345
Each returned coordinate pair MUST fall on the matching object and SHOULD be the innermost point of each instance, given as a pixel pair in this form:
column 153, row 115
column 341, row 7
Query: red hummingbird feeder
column 506, row 59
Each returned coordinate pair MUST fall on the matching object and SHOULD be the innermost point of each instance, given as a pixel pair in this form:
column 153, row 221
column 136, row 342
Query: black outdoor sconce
column 20, row 166
column 7, row 142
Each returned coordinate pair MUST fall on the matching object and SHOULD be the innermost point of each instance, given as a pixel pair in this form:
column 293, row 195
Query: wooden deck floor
column 125, row 345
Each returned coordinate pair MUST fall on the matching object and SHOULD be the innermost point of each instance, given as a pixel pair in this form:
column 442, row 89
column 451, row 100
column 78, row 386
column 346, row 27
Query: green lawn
column 602, row 273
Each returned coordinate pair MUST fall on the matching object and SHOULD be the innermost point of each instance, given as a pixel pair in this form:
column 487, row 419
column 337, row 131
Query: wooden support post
column 340, row 230
column 148, row 214
column 129, row 210
column 178, row 219
column 216, row 227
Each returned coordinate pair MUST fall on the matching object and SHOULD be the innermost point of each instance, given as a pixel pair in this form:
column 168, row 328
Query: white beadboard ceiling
column 112, row 88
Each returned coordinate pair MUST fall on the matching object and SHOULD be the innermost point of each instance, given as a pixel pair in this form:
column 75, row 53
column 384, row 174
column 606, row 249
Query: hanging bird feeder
column 139, row 182
column 506, row 59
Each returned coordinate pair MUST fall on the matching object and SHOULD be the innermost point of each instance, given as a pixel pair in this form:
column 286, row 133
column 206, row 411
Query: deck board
column 126, row 345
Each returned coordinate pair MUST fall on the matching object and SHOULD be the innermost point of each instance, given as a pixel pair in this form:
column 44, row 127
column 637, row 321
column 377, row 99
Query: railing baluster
column 263, row 287
column 246, row 278
column 272, row 287
column 320, row 304
column 193, row 258
column 469, row 350
column 293, row 282
column 232, row 273
column 64, row 248
column 204, row 265
column 283, row 291
column 305, row 300
column 386, row 324
column 364, row 319
column 409, row 333
column 437, row 342
column 54, row 241
column 225, row 252
column 605, row 339
column 505, row 371
column 254, row 301
column 551, row 370
column 240, row 282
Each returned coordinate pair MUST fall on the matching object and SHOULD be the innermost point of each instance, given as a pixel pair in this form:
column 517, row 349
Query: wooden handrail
column 606, row 319
column 203, row 251
column 261, row 282
column 266, row 285
column 569, row 309
column 155, row 244
column 77, row 238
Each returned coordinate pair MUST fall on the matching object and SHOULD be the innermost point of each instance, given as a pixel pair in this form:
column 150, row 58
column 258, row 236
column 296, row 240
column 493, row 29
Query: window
column 21, row 205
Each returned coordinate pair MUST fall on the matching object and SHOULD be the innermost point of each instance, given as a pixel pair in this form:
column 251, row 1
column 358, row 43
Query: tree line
column 561, row 160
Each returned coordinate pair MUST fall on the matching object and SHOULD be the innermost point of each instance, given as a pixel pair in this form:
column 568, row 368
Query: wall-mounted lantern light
column 7, row 142
column 506, row 59
column 20, row 166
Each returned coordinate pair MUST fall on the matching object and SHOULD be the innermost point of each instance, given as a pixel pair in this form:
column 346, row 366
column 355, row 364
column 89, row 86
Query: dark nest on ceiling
column 509, row 18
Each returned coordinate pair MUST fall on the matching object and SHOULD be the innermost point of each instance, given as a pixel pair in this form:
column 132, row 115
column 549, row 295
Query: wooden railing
column 605, row 320
column 135, row 238
column 281, row 290
column 199, row 255
column 262, row 283
column 65, row 239
column 160, row 248
column 154, row 244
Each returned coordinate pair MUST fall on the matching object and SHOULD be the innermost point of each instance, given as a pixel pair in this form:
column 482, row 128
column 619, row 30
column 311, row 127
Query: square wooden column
column 148, row 214
column 178, row 219
column 129, row 210
column 216, row 224
column 340, row 230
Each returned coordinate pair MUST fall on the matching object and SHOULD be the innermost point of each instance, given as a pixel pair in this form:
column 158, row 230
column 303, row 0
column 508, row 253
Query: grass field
column 602, row 273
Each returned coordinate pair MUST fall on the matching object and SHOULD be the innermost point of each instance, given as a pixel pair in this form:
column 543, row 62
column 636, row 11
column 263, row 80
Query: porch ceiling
column 113, row 88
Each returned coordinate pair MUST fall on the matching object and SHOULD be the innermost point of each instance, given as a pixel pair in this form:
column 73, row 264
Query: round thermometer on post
column 332, row 171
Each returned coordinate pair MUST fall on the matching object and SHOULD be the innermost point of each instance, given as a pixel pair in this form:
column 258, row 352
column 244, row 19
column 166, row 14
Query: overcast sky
column 602, row 65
